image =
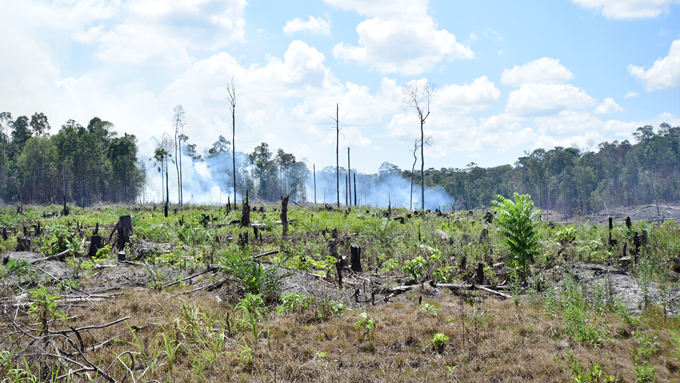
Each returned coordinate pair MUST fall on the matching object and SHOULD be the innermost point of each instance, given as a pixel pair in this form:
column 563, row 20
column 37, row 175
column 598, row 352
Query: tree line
column 83, row 165
column 575, row 181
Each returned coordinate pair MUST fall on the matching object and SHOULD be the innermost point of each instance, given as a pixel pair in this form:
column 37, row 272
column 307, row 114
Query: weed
column 415, row 268
column 293, row 302
column 595, row 375
column 430, row 309
column 366, row 323
column 44, row 307
column 439, row 341
column 249, row 272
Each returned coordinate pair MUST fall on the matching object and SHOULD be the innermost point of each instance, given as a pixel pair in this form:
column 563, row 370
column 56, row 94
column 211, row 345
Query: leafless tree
column 337, row 149
column 231, row 89
column 178, row 121
column 419, row 97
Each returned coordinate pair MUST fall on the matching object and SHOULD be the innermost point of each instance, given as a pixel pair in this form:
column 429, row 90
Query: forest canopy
column 94, row 164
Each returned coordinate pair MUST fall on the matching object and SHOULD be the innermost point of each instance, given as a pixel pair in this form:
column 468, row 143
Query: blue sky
column 510, row 76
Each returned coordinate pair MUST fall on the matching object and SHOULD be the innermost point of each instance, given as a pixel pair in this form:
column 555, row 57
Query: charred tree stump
column 338, row 268
column 4, row 233
column 245, row 213
column 629, row 224
column 463, row 263
column 65, row 212
column 122, row 229
column 480, row 273
column 23, row 244
column 356, row 258
column 284, row 215
column 96, row 244
column 611, row 223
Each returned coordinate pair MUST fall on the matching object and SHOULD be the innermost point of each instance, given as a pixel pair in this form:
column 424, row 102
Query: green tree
column 21, row 132
column 516, row 224
column 39, row 124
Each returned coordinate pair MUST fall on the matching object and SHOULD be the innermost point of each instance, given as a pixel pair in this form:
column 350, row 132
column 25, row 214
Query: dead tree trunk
column 356, row 258
column 95, row 245
column 284, row 215
column 245, row 213
column 123, row 229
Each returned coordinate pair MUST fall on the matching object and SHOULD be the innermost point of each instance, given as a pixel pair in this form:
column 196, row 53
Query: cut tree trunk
column 123, row 229
column 96, row 243
column 284, row 215
column 245, row 213
column 356, row 258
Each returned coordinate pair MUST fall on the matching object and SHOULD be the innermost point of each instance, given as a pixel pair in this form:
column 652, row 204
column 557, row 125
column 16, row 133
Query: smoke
column 210, row 182
column 207, row 182
column 387, row 187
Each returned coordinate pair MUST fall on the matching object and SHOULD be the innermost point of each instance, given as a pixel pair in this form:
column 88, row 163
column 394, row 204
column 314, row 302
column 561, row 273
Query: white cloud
column 398, row 37
column 631, row 94
column 314, row 26
column 452, row 98
column 609, row 106
column 349, row 136
column 629, row 9
column 542, row 71
column 541, row 99
column 664, row 74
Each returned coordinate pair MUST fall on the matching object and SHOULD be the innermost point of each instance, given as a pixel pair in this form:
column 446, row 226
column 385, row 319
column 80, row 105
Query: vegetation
column 194, row 301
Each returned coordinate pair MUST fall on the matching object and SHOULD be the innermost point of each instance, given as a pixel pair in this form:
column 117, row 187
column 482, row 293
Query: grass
column 253, row 333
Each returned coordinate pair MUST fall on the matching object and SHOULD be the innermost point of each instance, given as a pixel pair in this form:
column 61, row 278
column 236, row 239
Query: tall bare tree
column 337, row 150
column 413, row 169
column 231, row 90
column 178, row 122
column 419, row 97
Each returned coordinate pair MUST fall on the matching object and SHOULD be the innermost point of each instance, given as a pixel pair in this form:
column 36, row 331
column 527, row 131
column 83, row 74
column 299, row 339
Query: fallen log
column 459, row 286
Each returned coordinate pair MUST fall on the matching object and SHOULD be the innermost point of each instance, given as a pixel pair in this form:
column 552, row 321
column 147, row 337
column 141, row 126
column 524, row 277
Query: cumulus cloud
column 541, row 99
column 609, row 106
column 631, row 94
column 542, row 71
column 398, row 37
column 629, row 9
column 314, row 26
column 453, row 98
column 664, row 74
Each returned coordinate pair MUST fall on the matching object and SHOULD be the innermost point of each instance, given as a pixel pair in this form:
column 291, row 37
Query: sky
column 509, row 77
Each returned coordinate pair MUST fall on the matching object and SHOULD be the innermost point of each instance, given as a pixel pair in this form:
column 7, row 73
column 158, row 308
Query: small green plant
column 516, row 224
column 451, row 369
column 430, row 309
column 366, row 323
column 44, row 307
column 253, row 307
column 250, row 273
column 172, row 346
column 415, row 267
column 293, row 302
column 439, row 341
column 595, row 375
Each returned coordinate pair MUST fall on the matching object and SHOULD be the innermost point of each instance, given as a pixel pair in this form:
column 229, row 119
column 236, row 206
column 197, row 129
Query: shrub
column 516, row 225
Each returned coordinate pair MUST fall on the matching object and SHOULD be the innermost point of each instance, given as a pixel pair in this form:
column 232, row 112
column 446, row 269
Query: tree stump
column 4, row 233
column 123, row 229
column 480, row 273
column 284, row 215
column 245, row 213
column 96, row 244
column 23, row 244
column 356, row 258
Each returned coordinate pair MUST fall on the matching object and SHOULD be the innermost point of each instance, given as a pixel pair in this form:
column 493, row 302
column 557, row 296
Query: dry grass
column 508, row 344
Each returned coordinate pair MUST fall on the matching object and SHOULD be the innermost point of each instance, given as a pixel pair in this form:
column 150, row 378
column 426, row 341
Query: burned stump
column 122, row 229
column 284, row 215
column 356, row 258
